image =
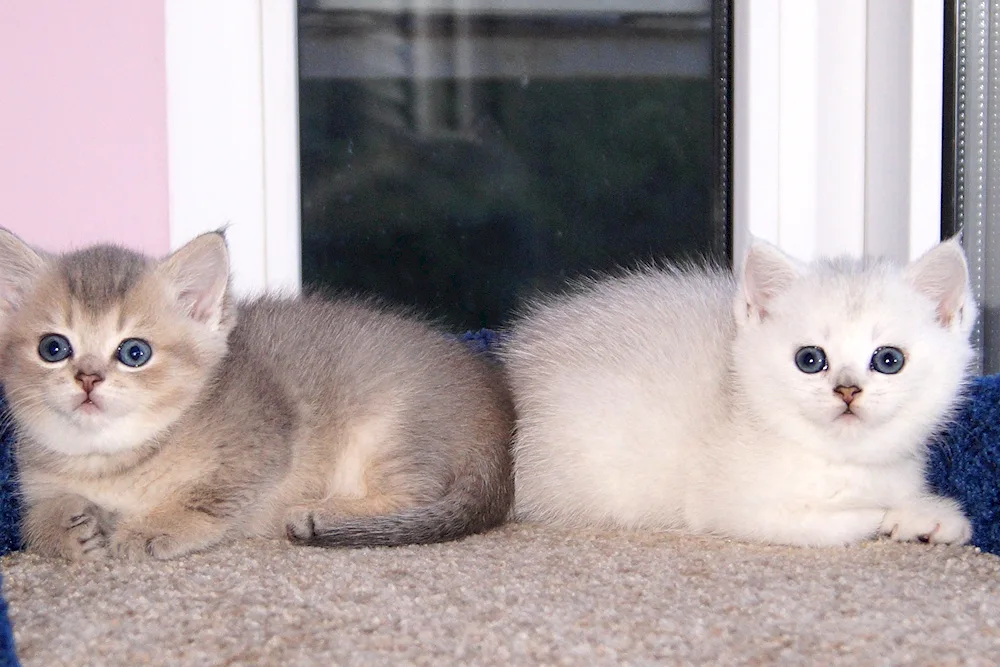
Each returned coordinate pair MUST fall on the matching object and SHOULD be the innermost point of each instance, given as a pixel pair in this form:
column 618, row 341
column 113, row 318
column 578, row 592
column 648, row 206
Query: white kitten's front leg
column 799, row 526
column 931, row 519
column 830, row 527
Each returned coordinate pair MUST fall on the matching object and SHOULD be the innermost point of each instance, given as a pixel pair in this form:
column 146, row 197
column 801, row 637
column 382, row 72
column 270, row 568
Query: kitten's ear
column 767, row 272
column 19, row 265
column 942, row 274
column 198, row 276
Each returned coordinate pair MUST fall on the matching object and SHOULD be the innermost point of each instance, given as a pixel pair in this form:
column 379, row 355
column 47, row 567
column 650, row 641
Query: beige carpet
column 522, row 595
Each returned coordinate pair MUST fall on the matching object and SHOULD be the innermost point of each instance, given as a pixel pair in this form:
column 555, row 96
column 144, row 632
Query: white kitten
column 792, row 403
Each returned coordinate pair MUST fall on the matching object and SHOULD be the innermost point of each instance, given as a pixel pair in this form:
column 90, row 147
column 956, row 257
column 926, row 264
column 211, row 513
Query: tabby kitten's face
column 99, row 350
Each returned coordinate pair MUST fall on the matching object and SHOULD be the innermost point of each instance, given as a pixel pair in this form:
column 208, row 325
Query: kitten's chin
column 90, row 430
column 857, row 437
column 848, row 420
column 848, row 429
column 89, row 409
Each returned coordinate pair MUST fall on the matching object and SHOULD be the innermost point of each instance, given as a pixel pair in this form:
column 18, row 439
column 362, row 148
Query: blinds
column 516, row 6
column 976, row 144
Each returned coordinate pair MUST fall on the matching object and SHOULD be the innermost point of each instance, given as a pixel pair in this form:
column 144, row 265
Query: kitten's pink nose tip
column 847, row 393
column 89, row 380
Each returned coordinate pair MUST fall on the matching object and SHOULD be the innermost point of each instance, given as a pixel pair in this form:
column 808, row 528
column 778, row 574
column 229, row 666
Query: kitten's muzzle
column 847, row 394
column 89, row 380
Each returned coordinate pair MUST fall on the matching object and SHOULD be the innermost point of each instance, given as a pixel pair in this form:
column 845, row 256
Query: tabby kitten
column 156, row 416
column 790, row 403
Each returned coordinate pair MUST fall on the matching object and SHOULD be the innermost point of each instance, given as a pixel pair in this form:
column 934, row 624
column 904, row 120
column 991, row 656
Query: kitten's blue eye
column 53, row 348
column 134, row 352
column 811, row 359
column 888, row 360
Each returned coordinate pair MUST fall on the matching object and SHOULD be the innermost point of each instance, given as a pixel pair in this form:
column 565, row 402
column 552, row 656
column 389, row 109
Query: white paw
column 938, row 521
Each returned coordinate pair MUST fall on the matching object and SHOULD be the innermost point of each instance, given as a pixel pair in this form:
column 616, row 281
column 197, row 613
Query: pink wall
column 83, row 127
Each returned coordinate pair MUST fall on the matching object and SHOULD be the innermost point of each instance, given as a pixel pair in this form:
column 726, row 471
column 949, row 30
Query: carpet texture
column 521, row 595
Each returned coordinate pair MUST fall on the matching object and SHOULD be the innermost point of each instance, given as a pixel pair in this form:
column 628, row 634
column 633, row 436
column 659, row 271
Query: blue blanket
column 10, row 539
column 964, row 464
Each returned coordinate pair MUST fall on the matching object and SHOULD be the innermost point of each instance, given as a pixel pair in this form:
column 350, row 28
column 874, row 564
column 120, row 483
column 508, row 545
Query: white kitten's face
column 867, row 335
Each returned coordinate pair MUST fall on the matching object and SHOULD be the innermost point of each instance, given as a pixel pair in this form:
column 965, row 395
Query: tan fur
column 335, row 422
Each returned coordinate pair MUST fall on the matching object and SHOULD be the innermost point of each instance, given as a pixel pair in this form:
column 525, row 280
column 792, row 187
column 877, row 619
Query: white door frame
column 836, row 138
column 838, row 117
column 233, row 139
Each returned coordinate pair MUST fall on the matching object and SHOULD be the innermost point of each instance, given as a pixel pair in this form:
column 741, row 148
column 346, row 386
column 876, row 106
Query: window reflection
column 458, row 156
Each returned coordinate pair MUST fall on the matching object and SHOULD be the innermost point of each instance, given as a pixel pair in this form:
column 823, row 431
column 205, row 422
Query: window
column 972, row 157
column 460, row 156
column 836, row 137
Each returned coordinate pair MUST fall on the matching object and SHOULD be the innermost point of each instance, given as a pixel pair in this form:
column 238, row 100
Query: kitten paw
column 300, row 525
column 132, row 544
column 165, row 547
column 932, row 522
column 86, row 533
column 129, row 544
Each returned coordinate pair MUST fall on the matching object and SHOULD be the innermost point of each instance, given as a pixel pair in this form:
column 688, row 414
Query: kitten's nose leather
column 847, row 393
column 88, row 380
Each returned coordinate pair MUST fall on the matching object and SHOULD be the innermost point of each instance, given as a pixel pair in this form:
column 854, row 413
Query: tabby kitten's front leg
column 180, row 525
column 168, row 532
column 189, row 520
column 68, row 526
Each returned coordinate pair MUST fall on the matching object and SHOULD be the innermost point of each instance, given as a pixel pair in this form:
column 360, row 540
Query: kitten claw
column 928, row 523
column 86, row 533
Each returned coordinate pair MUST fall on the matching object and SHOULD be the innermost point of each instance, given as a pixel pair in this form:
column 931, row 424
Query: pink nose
column 847, row 393
column 88, row 381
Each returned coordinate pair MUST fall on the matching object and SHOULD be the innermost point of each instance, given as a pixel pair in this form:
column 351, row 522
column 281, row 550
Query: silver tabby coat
column 157, row 416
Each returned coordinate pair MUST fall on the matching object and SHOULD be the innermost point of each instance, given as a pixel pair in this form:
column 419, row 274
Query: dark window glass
column 460, row 161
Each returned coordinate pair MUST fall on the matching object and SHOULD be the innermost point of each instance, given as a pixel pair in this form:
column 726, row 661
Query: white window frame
column 233, row 134
column 838, row 119
column 837, row 134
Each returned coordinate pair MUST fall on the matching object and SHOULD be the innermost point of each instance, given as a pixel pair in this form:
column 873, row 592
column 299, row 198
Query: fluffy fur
column 334, row 422
column 671, row 399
